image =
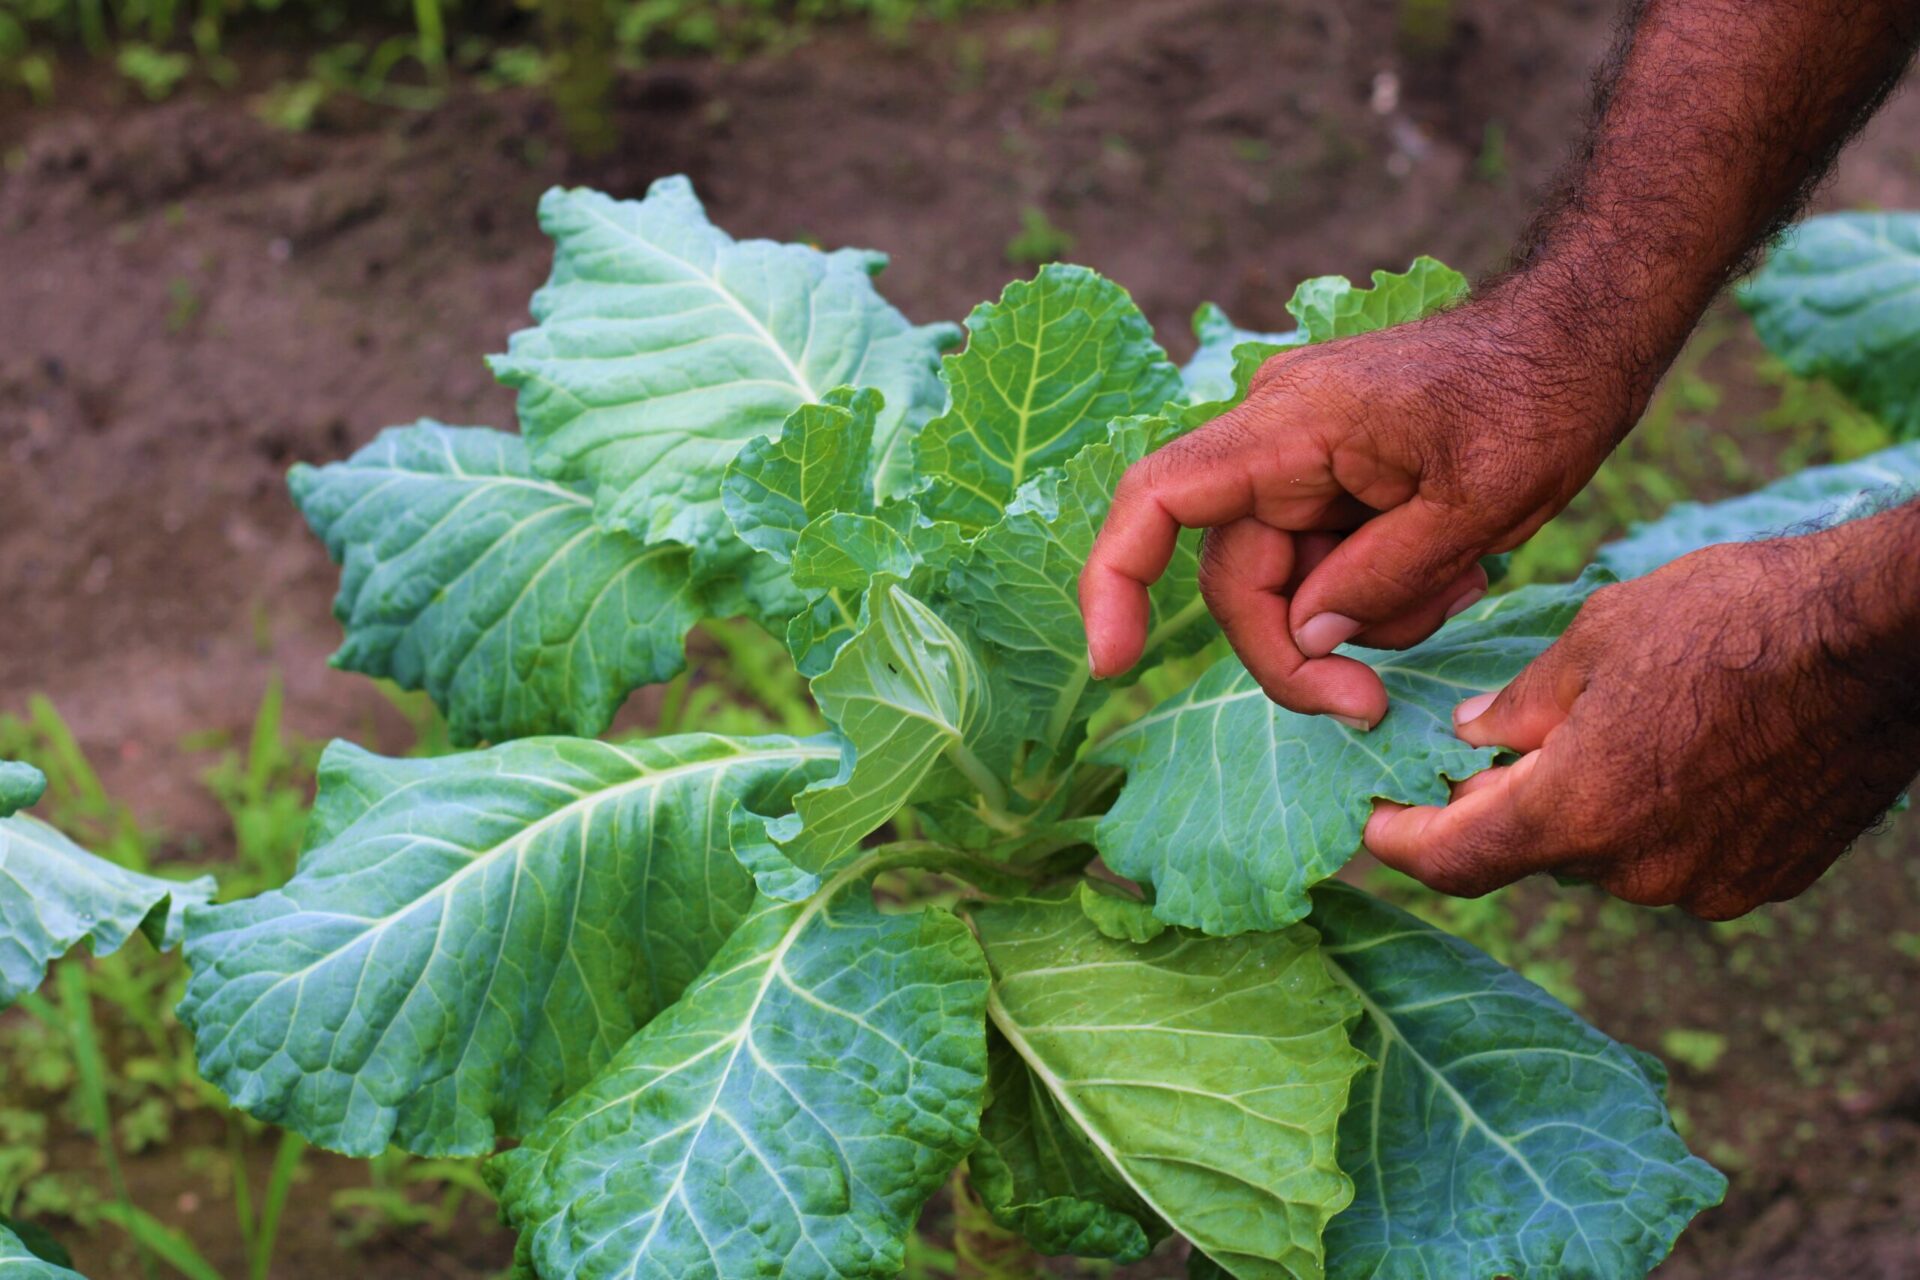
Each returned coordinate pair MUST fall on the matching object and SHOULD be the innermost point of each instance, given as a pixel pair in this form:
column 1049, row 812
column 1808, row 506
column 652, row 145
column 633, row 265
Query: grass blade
column 157, row 1239
column 286, row 1164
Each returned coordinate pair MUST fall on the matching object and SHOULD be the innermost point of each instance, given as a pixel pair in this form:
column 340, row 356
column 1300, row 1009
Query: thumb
column 1534, row 704
column 1383, row 570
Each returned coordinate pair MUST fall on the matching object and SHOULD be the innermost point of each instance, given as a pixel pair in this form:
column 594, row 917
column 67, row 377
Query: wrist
column 1607, row 322
column 1547, row 354
column 1871, row 615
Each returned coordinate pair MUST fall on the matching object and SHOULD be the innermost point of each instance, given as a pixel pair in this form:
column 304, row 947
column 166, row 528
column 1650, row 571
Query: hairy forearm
column 1712, row 120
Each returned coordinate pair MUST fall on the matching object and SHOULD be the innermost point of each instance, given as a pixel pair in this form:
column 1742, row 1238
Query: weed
column 1038, row 240
column 1699, row 1051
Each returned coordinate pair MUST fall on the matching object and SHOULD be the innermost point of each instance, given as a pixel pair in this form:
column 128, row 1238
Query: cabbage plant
column 658, row 966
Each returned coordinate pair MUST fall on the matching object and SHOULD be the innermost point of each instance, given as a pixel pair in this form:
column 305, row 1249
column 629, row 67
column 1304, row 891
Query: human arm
column 1714, row 734
column 1410, row 453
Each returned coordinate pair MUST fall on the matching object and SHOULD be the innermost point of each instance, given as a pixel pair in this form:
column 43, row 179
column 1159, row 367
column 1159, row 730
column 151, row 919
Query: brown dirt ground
column 190, row 301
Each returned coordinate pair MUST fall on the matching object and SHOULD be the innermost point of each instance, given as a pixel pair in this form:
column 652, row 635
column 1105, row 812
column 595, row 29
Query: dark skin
column 1713, row 734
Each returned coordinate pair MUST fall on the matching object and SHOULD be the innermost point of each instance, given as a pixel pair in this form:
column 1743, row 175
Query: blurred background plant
column 400, row 53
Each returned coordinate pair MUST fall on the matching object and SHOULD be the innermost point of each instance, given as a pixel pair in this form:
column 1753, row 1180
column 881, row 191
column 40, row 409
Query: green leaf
column 1498, row 1134
column 469, row 576
column 1327, row 307
column 845, row 552
column 1207, row 1074
column 55, row 895
column 788, row 1117
column 1234, row 806
column 663, row 345
column 470, row 938
column 911, row 700
column 807, row 501
column 35, row 1242
column 735, row 581
column 821, row 462
column 1330, row 307
column 21, row 786
column 1815, row 498
column 1839, row 298
column 1118, row 914
column 1038, row 1175
column 1045, row 369
column 1020, row 587
column 1209, row 375
column 34, row 1257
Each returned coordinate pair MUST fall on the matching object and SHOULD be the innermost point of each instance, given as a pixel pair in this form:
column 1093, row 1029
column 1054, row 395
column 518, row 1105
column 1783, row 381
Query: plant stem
column 983, row 780
column 1179, row 621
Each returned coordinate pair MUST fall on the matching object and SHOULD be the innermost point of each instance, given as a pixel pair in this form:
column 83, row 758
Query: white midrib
column 1390, row 1034
column 518, row 843
column 1026, row 406
column 728, row 296
column 736, row 1041
column 997, row 1013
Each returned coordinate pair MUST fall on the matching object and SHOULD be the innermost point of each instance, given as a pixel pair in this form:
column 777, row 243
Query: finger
column 1309, row 549
column 1474, row 845
column 1209, row 477
column 1244, row 570
column 1425, row 618
column 1533, row 705
column 1386, row 568
column 1479, row 781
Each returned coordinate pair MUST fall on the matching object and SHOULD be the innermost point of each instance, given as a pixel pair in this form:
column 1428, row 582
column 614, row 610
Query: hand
column 1406, row 454
column 1712, row 735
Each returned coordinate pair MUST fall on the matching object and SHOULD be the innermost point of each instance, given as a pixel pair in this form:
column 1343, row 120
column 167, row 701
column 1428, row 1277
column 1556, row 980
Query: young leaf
column 1209, row 374
column 1207, row 1074
column 1815, row 498
column 844, row 552
column 821, row 462
column 1496, row 1133
column 912, row 702
column 1330, row 307
column 788, row 1117
column 21, row 786
column 1327, row 307
column 807, row 501
column 1234, row 806
column 468, row 575
column 1039, row 1176
column 663, row 345
column 1119, row 914
column 1839, row 298
column 19, row 1262
column 470, row 938
column 55, row 895
column 1020, row 586
column 1045, row 369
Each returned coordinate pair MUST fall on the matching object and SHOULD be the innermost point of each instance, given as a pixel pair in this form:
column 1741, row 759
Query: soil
column 192, row 300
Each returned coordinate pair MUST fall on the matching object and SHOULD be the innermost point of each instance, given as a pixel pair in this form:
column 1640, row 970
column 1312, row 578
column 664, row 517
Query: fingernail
column 1352, row 722
column 1322, row 634
column 1469, row 711
column 1092, row 670
column 1466, row 601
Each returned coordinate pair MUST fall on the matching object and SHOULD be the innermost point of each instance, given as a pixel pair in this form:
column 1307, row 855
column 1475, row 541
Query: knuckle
column 1136, row 482
column 1649, row 884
